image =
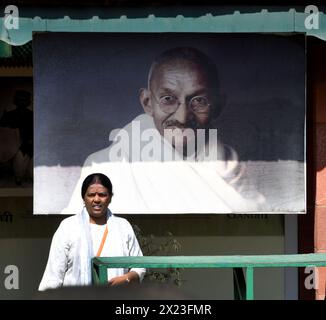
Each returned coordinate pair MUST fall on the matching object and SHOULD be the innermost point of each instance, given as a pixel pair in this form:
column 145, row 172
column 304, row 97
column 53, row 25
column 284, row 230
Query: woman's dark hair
column 96, row 178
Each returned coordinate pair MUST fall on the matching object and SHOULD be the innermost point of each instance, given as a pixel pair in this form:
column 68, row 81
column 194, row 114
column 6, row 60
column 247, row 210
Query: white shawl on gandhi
column 214, row 184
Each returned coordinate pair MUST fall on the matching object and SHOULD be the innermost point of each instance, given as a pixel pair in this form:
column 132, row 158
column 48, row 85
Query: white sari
column 69, row 262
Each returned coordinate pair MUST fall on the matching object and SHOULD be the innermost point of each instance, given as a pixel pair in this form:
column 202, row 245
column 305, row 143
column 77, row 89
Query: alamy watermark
column 312, row 279
column 312, row 20
column 149, row 145
column 11, row 280
column 11, row 17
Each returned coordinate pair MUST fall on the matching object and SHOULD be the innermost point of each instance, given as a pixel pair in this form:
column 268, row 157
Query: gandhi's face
column 176, row 90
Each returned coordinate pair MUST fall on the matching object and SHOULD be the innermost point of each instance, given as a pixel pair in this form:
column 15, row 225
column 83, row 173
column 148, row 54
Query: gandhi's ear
column 145, row 100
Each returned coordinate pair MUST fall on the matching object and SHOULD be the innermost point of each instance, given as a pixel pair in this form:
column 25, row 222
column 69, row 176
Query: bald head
column 182, row 57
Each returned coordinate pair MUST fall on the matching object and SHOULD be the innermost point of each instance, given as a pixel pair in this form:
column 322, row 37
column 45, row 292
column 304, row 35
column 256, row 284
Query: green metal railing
column 100, row 265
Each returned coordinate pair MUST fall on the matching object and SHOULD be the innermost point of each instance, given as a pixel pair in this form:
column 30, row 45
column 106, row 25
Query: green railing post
column 95, row 277
column 250, row 283
column 103, row 274
column 99, row 271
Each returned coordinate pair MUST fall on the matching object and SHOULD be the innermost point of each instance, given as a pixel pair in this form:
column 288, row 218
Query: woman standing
column 93, row 232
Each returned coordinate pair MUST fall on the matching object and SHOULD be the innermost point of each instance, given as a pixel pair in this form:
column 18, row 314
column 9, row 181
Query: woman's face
column 97, row 199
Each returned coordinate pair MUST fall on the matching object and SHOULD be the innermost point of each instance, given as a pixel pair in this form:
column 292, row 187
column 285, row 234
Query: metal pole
column 250, row 283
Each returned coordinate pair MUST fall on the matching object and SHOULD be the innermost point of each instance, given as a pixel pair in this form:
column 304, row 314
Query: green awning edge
column 263, row 21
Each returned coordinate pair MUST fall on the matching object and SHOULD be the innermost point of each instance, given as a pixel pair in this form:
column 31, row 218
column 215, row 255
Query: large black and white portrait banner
column 180, row 122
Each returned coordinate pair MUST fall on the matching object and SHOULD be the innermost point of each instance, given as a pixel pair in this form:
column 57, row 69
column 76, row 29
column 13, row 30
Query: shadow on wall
column 16, row 132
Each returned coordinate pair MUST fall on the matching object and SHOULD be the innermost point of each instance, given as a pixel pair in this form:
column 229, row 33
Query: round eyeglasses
column 170, row 103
